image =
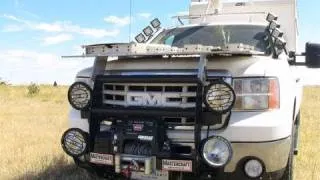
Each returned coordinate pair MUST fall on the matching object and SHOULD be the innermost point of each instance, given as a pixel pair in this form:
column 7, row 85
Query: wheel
column 296, row 137
column 288, row 173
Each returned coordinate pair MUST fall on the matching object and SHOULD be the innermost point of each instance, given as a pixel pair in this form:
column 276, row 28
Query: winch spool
column 138, row 148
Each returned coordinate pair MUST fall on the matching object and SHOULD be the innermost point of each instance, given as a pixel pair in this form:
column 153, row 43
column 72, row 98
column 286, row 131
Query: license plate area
column 104, row 159
column 177, row 165
column 158, row 175
column 167, row 165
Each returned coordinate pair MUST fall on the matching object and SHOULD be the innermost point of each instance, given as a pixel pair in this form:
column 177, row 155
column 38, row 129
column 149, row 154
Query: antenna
column 130, row 25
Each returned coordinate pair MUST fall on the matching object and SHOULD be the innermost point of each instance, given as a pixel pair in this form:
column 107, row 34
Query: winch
column 132, row 136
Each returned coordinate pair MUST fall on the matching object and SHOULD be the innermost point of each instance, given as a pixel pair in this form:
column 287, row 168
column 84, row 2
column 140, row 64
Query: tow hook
column 127, row 172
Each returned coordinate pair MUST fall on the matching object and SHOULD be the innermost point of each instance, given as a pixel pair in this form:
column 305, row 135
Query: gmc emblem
column 151, row 99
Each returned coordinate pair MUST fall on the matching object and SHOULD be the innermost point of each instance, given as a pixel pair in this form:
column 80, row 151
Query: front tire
column 288, row 173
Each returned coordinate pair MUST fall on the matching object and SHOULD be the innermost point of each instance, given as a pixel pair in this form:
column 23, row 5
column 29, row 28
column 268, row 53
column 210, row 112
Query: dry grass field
column 31, row 127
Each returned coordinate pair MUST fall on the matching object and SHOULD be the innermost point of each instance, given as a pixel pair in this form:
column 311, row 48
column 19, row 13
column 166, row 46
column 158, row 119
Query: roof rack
column 195, row 16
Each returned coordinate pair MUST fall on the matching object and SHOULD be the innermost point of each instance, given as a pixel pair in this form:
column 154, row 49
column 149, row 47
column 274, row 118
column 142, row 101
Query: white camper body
column 253, row 11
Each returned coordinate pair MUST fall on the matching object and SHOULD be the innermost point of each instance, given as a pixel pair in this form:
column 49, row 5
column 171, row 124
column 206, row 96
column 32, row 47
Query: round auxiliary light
column 79, row 95
column 216, row 151
column 253, row 168
column 74, row 142
column 220, row 97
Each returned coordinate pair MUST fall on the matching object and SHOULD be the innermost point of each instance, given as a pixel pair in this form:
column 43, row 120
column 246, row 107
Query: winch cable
column 137, row 148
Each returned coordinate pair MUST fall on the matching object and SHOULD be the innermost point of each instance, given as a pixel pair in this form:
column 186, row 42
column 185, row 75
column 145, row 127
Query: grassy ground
column 30, row 130
column 307, row 163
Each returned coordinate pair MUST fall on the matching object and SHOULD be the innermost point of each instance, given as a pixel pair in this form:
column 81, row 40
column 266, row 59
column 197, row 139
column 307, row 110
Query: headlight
column 74, row 142
column 220, row 97
column 79, row 95
column 253, row 168
column 256, row 93
column 216, row 151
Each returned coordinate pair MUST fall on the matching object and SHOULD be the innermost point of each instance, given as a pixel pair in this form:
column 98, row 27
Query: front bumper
column 274, row 156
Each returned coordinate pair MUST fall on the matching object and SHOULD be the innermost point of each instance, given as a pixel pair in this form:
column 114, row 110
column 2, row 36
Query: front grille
column 150, row 95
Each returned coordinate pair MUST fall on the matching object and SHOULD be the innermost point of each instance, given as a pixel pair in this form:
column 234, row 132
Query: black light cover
column 220, row 97
column 74, row 142
column 80, row 95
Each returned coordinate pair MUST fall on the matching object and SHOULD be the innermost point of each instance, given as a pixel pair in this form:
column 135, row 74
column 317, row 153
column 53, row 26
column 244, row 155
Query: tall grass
column 307, row 163
column 31, row 127
column 30, row 131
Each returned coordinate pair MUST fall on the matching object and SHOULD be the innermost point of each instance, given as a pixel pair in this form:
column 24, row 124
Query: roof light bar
column 140, row 38
column 148, row 31
column 155, row 23
column 280, row 42
column 273, row 25
column 277, row 33
column 271, row 17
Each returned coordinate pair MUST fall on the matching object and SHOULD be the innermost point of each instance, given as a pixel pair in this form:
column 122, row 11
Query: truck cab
column 216, row 98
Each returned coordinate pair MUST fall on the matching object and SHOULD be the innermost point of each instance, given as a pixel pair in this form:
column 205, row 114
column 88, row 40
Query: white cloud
column 53, row 27
column 93, row 32
column 13, row 18
column 99, row 33
column 12, row 28
column 119, row 21
column 60, row 38
column 21, row 66
column 144, row 15
column 63, row 27
column 29, row 14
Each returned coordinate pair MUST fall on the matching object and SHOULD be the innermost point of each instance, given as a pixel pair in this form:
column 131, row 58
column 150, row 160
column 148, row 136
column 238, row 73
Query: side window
column 169, row 40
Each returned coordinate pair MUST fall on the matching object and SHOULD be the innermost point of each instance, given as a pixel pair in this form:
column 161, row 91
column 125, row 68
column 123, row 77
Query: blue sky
column 35, row 33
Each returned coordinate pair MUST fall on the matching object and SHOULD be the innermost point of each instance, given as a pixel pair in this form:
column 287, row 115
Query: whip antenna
column 130, row 21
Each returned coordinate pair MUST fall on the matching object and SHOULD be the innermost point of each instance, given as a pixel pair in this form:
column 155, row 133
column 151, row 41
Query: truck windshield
column 220, row 35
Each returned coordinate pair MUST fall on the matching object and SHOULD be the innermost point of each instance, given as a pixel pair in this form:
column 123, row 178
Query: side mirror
column 313, row 55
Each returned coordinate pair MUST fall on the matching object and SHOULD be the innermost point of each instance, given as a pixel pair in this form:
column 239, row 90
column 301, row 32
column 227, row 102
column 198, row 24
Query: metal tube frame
column 200, row 80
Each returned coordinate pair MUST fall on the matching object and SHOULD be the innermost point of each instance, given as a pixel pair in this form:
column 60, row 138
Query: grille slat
column 179, row 121
column 111, row 92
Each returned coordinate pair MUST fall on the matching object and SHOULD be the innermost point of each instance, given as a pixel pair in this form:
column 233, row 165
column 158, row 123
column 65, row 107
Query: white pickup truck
column 214, row 99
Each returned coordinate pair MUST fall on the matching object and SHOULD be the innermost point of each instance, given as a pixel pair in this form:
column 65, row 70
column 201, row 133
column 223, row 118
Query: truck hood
column 237, row 65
